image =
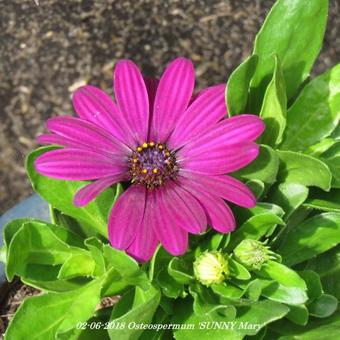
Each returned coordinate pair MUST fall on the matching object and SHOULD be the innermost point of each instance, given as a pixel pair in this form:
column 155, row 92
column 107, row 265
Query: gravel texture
column 47, row 51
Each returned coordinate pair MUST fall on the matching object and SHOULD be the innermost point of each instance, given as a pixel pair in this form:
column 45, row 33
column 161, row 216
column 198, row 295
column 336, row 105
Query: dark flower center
column 152, row 165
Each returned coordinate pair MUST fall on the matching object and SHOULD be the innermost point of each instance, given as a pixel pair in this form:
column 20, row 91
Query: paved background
column 47, row 51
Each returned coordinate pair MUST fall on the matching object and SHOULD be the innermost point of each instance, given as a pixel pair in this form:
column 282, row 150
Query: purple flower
column 174, row 148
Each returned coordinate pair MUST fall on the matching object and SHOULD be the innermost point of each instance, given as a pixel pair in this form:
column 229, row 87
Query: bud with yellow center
column 211, row 267
column 253, row 254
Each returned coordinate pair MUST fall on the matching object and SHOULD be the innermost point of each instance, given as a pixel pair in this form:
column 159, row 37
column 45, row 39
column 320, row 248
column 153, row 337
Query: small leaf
column 303, row 169
column 206, row 303
column 315, row 113
column 180, row 270
column 289, row 196
column 312, row 237
column 298, row 314
column 170, row 287
column 273, row 110
column 314, row 287
column 257, row 187
column 288, row 295
column 77, row 265
column 323, row 306
column 238, row 86
column 237, row 270
column 281, row 274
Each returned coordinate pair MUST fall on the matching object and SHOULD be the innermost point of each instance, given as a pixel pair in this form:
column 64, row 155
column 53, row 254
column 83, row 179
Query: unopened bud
column 211, row 267
column 253, row 254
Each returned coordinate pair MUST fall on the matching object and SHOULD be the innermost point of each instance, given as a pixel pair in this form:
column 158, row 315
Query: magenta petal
column 226, row 187
column 184, row 209
column 77, row 164
column 96, row 106
column 172, row 237
column 220, row 216
column 172, row 98
column 89, row 192
column 145, row 243
column 219, row 159
column 235, row 130
column 126, row 217
column 207, row 109
column 151, row 86
column 132, row 98
column 86, row 134
column 53, row 139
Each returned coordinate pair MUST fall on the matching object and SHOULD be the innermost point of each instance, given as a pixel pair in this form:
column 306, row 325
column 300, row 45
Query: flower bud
column 211, row 267
column 253, row 254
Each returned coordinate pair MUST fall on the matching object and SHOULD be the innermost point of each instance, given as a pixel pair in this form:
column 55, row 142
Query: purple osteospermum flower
column 174, row 148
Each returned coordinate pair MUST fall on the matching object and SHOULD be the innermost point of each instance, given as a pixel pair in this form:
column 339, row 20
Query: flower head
column 174, row 149
column 253, row 254
column 211, row 267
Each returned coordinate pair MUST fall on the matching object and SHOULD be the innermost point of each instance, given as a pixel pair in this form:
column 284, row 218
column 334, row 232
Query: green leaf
column 315, row 113
column 38, row 243
column 303, row 169
column 206, row 302
column 77, row 265
column 126, row 266
column 237, row 270
column 332, row 159
column 254, row 228
column 312, row 237
column 289, row 196
column 326, row 201
column 54, row 313
column 170, row 287
column 212, row 241
column 320, row 147
column 96, row 249
column 316, row 329
column 257, row 187
column 3, row 254
column 314, row 287
column 60, row 195
column 280, row 293
column 227, row 291
column 263, row 168
column 323, row 306
column 327, row 266
column 59, row 218
column 238, row 86
column 273, row 110
column 134, row 307
column 298, row 314
column 294, row 29
column 181, row 270
column 281, row 274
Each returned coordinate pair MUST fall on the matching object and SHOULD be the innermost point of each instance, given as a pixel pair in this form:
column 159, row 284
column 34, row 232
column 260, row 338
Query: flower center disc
column 152, row 164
